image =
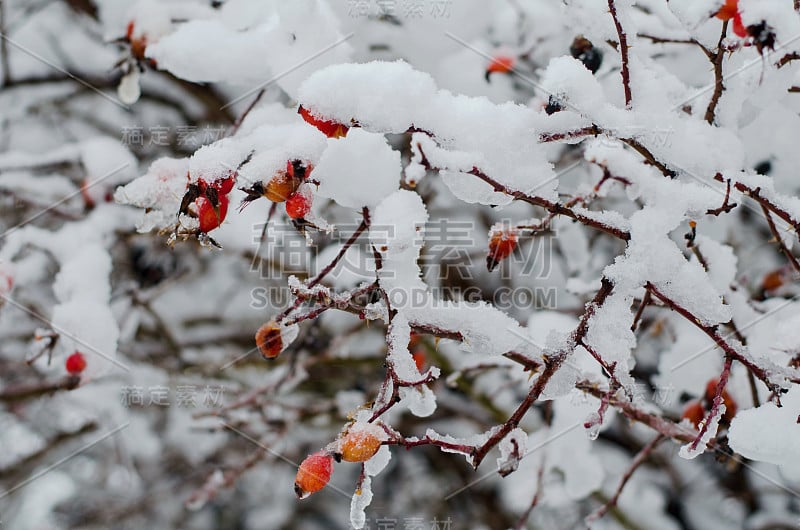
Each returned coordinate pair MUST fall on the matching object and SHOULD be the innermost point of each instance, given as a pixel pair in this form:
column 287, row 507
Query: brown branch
column 658, row 423
column 723, row 381
column 719, row 86
column 592, row 130
column 727, row 206
column 713, row 333
column 641, row 458
column 552, row 207
column 623, row 48
column 755, row 194
column 246, row 112
column 774, row 229
column 23, row 391
column 639, row 312
column 552, row 364
column 330, row 266
column 786, row 59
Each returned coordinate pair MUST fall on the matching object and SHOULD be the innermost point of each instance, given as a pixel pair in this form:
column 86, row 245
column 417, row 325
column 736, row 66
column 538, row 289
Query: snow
column 291, row 41
column 358, row 170
column 770, row 434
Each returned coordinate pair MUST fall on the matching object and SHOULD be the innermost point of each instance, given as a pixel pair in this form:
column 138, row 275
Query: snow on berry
column 502, row 242
column 329, row 128
column 360, row 442
column 298, row 205
column 359, row 170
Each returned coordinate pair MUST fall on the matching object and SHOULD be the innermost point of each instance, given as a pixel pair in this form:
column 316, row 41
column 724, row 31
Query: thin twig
column 623, row 48
column 719, row 85
column 641, row 458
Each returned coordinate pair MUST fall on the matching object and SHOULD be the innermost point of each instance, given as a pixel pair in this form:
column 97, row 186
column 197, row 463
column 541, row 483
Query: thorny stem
column 330, row 266
column 25, row 391
column 525, row 516
column 774, row 229
column 641, row 458
column 623, row 48
column 719, row 86
column 723, row 381
column 714, row 335
column 552, row 364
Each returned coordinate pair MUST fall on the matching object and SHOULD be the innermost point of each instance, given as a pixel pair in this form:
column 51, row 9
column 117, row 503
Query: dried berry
column 583, row 50
column 269, row 340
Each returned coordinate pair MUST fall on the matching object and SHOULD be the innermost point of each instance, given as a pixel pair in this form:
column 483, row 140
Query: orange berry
column 269, row 340
column 501, row 64
column 358, row 446
column 772, row 281
column 313, row 474
column 694, row 412
column 501, row 245
column 729, row 10
column 419, row 360
column 281, row 186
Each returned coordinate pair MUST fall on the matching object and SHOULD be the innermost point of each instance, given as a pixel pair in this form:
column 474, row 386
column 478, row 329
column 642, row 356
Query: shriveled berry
column 269, row 340
column 583, row 50
column 358, row 445
column 553, row 106
column 75, row 363
column 501, row 245
column 763, row 36
column 313, row 474
column 329, row 128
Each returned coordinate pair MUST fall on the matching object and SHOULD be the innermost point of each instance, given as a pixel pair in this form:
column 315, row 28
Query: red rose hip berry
column 210, row 217
column 75, row 363
column 298, row 205
column 313, row 474
column 501, row 244
column 329, row 128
